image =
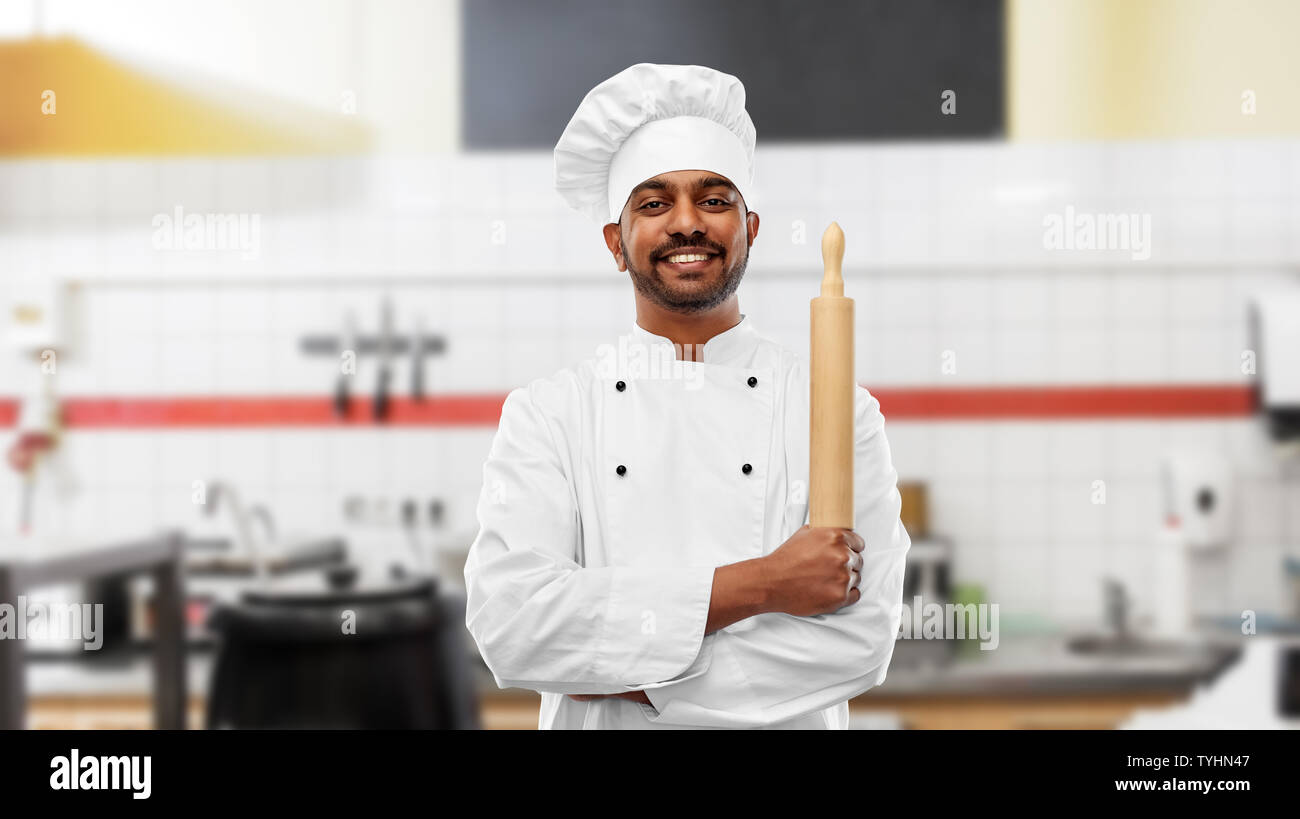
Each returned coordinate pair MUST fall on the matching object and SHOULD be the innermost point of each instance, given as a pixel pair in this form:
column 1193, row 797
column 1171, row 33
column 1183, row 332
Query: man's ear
column 751, row 226
column 615, row 245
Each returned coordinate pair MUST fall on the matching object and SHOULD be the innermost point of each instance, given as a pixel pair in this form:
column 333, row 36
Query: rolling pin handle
column 833, row 260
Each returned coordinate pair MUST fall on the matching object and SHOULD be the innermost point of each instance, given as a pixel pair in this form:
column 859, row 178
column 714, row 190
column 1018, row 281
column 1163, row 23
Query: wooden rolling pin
column 832, row 394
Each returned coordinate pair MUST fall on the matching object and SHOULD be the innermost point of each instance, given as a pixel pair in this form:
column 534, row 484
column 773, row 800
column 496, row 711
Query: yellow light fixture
column 1152, row 69
column 60, row 97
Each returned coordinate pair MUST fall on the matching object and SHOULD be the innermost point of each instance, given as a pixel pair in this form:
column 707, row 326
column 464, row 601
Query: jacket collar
column 733, row 347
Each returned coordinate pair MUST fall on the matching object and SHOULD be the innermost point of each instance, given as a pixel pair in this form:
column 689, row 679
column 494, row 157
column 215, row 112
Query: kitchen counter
column 1244, row 698
column 1044, row 665
column 1023, row 667
column 1037, row 681
column 1019, row 667
column 1028, row 681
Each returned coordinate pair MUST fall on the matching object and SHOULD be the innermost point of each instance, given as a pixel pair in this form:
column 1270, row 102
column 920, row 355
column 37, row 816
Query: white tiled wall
column 945, row 255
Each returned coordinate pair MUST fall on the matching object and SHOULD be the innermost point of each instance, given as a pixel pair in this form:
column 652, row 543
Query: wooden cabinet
column 1003, row 713
column 518, row 711
column 928, row 713
column 102, row 712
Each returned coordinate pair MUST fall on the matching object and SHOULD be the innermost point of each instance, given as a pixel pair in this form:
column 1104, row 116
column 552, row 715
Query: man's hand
column 816, row 571
column 635, row 696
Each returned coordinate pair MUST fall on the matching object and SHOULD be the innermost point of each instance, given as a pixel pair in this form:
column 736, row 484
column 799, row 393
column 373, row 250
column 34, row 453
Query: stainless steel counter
column 1025, row 666
column 1045, row 665
column 1020, row 667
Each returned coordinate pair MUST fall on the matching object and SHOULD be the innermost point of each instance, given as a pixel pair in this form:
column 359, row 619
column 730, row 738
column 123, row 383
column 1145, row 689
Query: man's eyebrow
column 649, row 185
column 698, row 184
column 715, row 182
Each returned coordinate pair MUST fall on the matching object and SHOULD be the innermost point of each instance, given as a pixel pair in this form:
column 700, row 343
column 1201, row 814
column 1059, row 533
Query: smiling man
column 644, row 558
column 687, row 261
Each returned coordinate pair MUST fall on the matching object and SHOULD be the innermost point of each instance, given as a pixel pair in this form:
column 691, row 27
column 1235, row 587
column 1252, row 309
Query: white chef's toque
column 652, row 119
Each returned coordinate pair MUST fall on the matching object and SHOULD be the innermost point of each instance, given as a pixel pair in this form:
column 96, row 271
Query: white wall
column 945, row 252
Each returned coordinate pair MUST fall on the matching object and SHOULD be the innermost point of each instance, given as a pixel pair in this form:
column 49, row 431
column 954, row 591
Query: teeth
column 688, row 257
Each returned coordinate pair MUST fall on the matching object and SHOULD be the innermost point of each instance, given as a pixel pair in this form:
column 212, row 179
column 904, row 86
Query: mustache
column 677, row 244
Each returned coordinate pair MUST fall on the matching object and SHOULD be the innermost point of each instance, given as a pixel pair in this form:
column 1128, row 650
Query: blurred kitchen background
column 1101, row 442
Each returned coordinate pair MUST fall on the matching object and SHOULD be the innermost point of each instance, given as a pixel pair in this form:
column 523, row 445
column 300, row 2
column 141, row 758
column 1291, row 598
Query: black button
column 753, row 382
column 620, row 386
column 622, row 470
column 747, row 469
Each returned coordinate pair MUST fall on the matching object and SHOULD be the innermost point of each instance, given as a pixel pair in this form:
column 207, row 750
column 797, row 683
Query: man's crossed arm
column 816, row 571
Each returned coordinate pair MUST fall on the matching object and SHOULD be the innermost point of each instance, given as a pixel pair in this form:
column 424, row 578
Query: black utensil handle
column 381, row 395
column 417, row 378
column 342, row 400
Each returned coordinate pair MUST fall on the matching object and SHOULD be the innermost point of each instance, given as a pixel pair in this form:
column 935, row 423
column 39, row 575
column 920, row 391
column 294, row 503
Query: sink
column 1111, row 645
column 211, row 556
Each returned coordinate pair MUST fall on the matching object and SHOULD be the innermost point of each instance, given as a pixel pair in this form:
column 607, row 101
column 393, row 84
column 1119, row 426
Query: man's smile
column 689, row 259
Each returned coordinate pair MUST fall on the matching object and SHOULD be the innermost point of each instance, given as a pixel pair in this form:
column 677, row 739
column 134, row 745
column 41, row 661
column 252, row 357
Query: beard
column 650, row 284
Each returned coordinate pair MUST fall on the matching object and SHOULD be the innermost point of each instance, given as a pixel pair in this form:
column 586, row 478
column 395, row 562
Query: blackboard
column 818, row 70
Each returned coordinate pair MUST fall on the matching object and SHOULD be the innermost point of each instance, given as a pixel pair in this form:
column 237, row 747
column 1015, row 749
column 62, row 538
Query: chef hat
column 651, row 119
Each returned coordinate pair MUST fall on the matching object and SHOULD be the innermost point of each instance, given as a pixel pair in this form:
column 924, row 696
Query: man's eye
column 651, row 204
column 715, row 202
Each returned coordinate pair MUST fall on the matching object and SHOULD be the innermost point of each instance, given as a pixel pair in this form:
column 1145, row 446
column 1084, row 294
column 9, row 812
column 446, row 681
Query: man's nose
column 686, row 220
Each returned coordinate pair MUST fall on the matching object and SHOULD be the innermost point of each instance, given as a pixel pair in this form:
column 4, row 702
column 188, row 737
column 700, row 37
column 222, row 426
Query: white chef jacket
column 612, row 491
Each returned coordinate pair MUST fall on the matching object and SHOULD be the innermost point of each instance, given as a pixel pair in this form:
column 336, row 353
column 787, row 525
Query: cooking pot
column 302, row 654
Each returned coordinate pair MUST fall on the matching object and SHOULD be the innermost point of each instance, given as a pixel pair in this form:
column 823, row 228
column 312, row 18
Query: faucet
column 259, row 511
column 1117, row 607
column 220, row 493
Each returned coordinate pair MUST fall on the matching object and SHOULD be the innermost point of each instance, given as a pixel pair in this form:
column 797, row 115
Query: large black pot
column 286, row 660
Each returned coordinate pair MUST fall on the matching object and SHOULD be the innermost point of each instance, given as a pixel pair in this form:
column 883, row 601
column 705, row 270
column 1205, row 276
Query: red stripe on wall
column 991, row 403
column 312, row 411
column 899, row 404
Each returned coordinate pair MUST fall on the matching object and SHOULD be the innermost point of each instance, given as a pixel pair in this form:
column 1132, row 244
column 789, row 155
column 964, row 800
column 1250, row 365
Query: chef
column 643, row 558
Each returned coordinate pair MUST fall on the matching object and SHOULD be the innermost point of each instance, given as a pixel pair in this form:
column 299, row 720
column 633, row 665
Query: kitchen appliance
column 929, row 571
column 1275, row 339
column 927, row 582
column 915, row 509
column 36, row 332
column 1198, row 498
column 1288, row 683
column 37, row 314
